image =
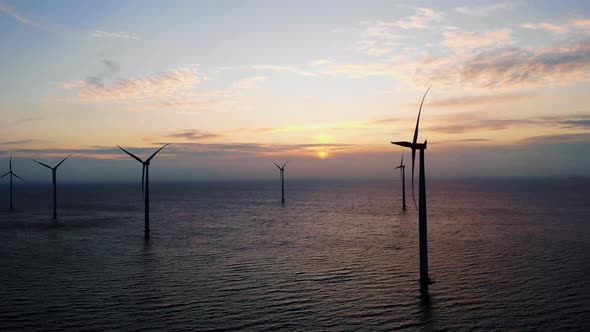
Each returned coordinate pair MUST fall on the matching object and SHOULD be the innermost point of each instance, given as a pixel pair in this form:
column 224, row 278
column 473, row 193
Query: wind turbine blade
column 42, row 164
column 413, row 161
column 402, row 162
column 17, row 176
column 398, row 167
column 154, row 154
column 10, row 162
column 56, row 166
column 404, row 144
column 131, row 154
column 285, row 163
column 418, row 121
column 279, row 167
column 4, row 175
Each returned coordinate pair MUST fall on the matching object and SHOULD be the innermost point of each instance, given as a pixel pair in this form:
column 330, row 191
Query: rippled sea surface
column 506, row 254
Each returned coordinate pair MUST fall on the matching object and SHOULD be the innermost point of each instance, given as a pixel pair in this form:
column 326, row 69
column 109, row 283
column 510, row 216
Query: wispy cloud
column 583, row 23
column 463, row 123
column 120, row 35
column 6, row 9
column 557, row 139
column 485, row 10
column 194, row 135
column 23, row 121
column 553, row 28
column 249, row 82
column 422, row 19
column 462, row 40
column 287, row 69
column 515, row 67
column 20, row 142
column 480, row 100
column 171, row 85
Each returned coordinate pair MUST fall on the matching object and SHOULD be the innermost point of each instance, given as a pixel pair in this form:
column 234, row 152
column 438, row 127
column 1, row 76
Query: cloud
column 6, row 9
column 422, row 19
column 20, row 142
column 465, row 40
column 177, row 89
column 315, row 126
column 385, row 121
column 172, row 85
column 249, row 82
column 287, row 69
column 358, row 70
column 97, row 80
column 194, row 135
column 557, row 139
column 473, row 122
column 466, row 140
column 485, row 10
column 553, row 28
column 583, row 23
column 478, row 125
column 513, row 68
column 480, row 100
column 120, row 35
column 23, row 120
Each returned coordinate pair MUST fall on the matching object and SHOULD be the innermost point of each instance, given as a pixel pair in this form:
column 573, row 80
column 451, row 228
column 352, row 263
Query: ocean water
column 506, row 254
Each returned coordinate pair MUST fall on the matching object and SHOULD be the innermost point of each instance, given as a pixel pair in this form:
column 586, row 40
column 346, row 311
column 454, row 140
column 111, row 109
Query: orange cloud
column 461, row 39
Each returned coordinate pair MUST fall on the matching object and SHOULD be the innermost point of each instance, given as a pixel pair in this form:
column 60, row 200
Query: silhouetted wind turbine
column 282, row 169
column 422, row 225
column 402, row 167
column 54, row 172
column 11, row 173
column 145, row 182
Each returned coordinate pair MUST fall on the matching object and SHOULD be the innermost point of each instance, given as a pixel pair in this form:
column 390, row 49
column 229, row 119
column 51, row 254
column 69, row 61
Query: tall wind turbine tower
column 402, row 168
column 11, row 173
column 145, row 185
column 422, row 225
column 282, row 170
column 54, row 173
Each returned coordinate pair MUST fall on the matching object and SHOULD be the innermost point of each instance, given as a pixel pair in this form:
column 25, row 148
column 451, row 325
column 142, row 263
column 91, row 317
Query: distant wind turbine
column 54, row 172
column 402, row 167
column 11, row 173
column 145, row 185
column 282, row 170
column 422, row 225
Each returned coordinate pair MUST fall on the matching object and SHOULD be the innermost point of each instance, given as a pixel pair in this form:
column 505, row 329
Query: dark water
column 505, row 253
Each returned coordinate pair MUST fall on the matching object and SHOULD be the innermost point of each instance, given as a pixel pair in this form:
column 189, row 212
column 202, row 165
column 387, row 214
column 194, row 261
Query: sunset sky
column 237, row 85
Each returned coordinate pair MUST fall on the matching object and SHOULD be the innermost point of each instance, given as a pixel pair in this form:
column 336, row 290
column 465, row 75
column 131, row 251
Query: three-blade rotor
column 282, row 168
column 414, row 145
column 144, row 164
column 52, row 168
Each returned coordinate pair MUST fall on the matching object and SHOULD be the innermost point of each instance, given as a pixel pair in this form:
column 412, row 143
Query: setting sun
column 322, row 154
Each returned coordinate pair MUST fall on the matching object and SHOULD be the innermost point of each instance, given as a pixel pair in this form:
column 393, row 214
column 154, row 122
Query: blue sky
column 236, row 85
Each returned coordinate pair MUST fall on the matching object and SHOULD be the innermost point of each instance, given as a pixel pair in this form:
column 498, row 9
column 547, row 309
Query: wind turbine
column 145, row 185
column 422, row 224
column 11, row 173
column 402, row 167
column 54, row 172
column 282, row 169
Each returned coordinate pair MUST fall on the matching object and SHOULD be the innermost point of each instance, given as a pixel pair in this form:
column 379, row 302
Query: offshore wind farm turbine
column 422, row 224
column 145, row 185
column 402, row 167
column 282, row 170
column 54, row 172
column 11, row 173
